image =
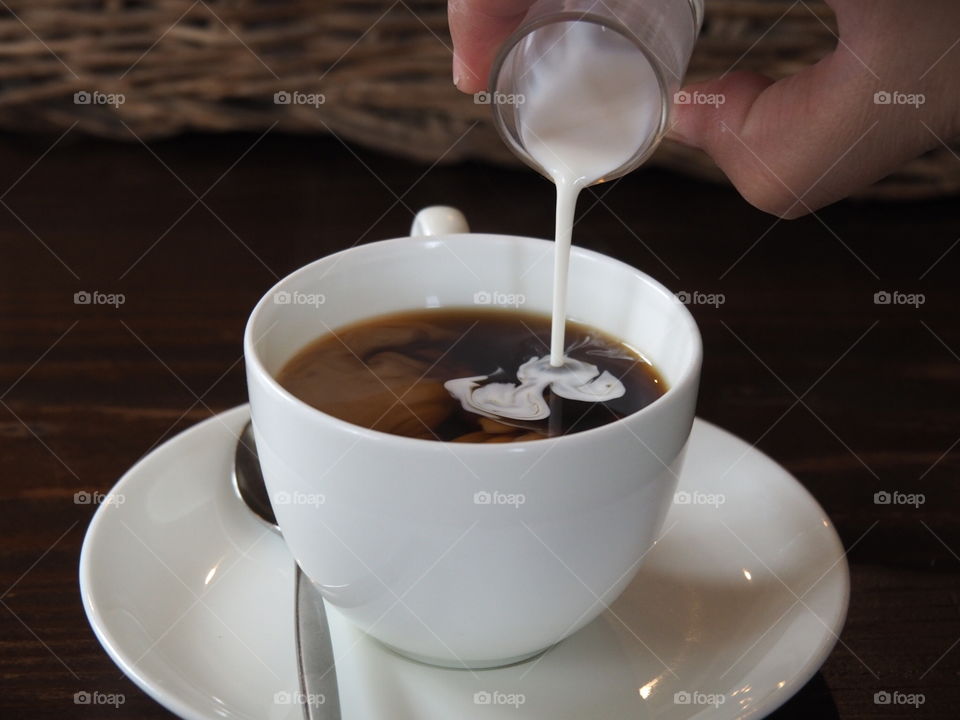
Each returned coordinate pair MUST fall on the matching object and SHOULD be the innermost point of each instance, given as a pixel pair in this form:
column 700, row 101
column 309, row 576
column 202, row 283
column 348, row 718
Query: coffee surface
column 389, row 373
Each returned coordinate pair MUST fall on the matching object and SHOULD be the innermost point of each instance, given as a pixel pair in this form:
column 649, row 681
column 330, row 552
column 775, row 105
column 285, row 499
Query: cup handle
column 438, row 220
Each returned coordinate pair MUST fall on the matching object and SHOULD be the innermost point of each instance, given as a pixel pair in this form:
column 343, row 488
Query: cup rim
column 688, row 375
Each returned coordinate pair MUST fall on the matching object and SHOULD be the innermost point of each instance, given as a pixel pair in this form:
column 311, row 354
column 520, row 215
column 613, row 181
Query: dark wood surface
column 851, row 396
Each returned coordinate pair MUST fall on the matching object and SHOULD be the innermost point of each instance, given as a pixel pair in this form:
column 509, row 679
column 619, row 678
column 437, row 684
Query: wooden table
column 852, row 396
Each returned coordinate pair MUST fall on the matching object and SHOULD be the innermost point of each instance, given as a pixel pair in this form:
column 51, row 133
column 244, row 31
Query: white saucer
column 738, row 604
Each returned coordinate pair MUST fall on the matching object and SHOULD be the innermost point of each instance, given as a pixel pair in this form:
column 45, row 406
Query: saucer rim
column 173, row 703
column 97, row 622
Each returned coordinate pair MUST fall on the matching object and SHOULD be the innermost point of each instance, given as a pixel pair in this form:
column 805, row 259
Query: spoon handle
column 315, row 663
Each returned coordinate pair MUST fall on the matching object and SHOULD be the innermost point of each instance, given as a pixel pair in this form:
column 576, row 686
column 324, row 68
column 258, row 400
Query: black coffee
column 388, row 374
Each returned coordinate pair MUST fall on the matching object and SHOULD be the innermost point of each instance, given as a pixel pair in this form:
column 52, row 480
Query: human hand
column 793, row 146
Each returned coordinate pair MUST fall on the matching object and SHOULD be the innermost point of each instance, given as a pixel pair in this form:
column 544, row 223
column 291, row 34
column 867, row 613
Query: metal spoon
column 315, row 665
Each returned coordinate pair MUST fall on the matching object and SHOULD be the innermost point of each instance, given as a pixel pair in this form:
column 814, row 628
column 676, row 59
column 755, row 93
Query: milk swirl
column 524, row 400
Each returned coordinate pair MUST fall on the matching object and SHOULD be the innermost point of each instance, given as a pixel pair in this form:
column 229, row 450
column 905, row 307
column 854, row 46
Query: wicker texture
column 383, row 70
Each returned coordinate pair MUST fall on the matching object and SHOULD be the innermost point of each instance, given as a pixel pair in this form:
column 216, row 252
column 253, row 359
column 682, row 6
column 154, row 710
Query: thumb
column 793, row 146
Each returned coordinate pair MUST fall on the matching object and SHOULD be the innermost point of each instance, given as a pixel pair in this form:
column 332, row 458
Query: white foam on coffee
column 591, row 101
column 524, row 400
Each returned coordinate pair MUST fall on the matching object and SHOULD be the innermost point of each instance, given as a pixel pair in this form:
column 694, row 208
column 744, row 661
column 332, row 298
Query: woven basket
column 383, row 71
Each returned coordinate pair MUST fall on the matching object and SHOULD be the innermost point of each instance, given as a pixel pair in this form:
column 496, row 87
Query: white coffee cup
column 465, row 554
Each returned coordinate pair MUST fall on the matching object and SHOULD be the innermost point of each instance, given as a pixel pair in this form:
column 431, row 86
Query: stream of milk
column 590, row 102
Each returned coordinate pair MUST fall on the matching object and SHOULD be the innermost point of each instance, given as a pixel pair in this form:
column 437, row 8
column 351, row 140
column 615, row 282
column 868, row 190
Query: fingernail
column 457, row 67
